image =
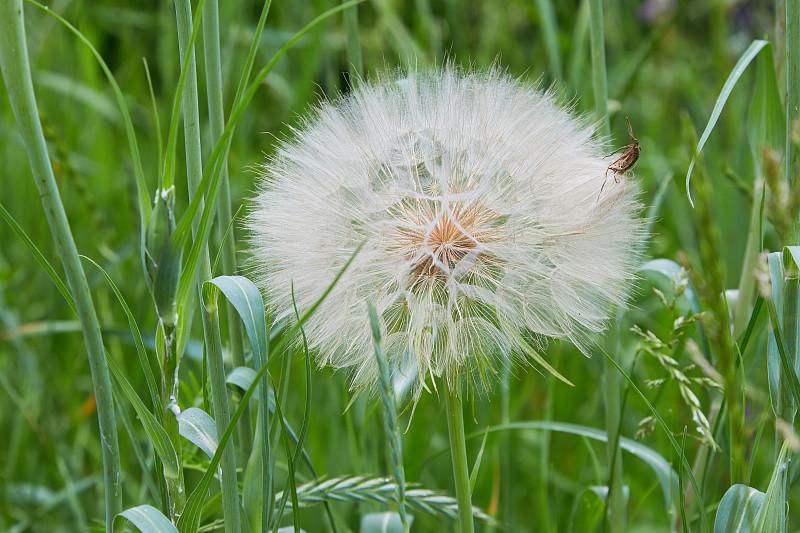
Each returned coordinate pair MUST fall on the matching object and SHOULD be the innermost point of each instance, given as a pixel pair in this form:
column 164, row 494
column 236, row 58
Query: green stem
column 792, row 99
column 506, row 494
column 17, row 75
column 752, row 251
column 354, row 56
column 222, row 416
column 458, row 453
column 194, row 170
column 616, row 504
column 599, row 76
column 176, row 492
column 216, row 124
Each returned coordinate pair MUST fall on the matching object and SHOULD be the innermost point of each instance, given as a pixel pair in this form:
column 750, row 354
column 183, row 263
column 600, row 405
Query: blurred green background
column 665, row 58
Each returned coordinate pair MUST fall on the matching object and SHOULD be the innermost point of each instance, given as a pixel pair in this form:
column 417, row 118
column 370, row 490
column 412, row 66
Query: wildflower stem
column 16, row 73
column 194, row 171
column 792, row 103
column 615, row 504
column 458, row 453
column 390, row 419
column 599, row 76
column 354, row 55
column 216, row 124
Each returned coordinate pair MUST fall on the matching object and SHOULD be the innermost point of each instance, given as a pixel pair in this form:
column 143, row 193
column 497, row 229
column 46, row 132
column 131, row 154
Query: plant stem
column 792, row 101
column 616, row 504
column 216, row 125
column 599, row 76
column 17, row 75
column 194, row 171
column 354, row 55
column 176, row 492
column 458, row 453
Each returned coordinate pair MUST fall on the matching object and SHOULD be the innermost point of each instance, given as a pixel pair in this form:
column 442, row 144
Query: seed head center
column 435, row 239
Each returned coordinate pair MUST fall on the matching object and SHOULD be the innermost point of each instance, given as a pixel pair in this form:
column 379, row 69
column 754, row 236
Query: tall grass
column 82, row 138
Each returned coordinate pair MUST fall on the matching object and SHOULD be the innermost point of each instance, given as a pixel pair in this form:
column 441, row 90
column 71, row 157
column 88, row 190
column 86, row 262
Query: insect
column 625, row 162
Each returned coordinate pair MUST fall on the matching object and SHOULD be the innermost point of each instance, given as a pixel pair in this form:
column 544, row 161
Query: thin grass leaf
column 747, row 57
column 224, row 239
column 143, row 197
column 44, row 263
column 784, row 370
column 771, row 516
column 144, row 359
column 291, row 484
column 158, row 437
column 667, row 477
column 476, row 466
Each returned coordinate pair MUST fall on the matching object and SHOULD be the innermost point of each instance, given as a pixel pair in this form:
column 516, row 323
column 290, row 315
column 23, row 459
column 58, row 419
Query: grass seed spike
column 625, row 162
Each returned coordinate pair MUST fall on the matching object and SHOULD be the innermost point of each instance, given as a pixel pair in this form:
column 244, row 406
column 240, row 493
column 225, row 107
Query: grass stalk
column 506, row 492
column 599, row 75
column 176, row 493
column 616, row 503
column 194, row 170
column 389, row 403
column 458, row 453
column 216, row 120
column 17, row 75
column 354, row 56
column 747, row 281
column 792, row 102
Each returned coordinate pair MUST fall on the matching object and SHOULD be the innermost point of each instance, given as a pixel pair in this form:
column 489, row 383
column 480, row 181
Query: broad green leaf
column 147, row 519
column 738, row 510
column 241, row 377
column 383, row 523
column 246, row 299
column 155, row 432
column 199, row 428
column 588, row 511
column 748, row 56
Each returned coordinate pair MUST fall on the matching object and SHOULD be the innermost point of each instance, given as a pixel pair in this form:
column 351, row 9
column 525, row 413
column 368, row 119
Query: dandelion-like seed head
column 476, row 199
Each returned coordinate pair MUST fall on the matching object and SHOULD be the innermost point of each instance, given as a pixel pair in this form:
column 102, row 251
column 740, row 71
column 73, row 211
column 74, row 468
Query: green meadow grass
column 703, row 84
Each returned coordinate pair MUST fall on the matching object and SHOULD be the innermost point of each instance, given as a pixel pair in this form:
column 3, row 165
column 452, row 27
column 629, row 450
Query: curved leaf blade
column 197, row 426
column 747, row 57
column 145, row 518
column 738, row 510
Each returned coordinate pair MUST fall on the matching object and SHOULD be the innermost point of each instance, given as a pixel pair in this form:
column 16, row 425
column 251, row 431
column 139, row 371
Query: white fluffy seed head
column 476, row 198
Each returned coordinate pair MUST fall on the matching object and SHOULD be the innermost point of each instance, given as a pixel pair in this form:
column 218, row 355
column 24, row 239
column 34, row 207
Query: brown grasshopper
column 625, row 162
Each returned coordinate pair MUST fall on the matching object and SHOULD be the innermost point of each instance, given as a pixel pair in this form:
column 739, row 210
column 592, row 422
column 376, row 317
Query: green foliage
column 112, row 129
